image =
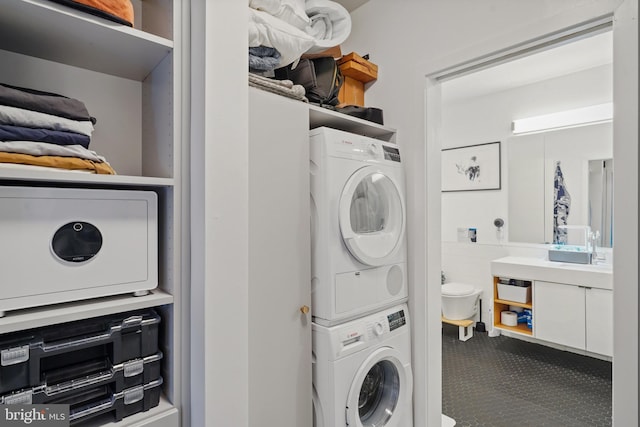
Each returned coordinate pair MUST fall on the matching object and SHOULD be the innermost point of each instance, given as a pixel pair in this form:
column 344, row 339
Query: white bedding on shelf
column 330, row 24
column 267, row 30
column 290, row 11
column 295, row 27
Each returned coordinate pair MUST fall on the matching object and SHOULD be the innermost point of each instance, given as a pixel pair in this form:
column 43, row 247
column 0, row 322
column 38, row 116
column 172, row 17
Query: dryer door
column 372, row 216
column 379, row 391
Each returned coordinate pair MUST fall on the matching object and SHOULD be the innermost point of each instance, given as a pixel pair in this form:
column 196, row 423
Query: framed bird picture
column 473, row 167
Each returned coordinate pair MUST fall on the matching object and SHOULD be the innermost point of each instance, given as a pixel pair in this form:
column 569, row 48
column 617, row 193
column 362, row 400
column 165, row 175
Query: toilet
column 459, row 301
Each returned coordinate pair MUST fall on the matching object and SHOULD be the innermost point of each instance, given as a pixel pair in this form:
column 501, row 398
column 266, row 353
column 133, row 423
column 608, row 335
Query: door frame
column 626, row 201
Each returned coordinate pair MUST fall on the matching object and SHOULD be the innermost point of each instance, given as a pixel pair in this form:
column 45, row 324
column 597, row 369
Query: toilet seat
column 457, row 289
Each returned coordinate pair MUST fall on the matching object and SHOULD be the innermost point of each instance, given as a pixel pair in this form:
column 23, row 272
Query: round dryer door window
column 378, row 391
column 371, row 216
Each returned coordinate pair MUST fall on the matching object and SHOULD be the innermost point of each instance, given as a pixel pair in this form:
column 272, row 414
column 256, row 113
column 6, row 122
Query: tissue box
column 514, row 293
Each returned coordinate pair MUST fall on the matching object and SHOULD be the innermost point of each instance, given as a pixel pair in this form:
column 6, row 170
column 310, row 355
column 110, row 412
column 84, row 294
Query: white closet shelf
column 54, row 176
column 67, row 312
column 58, row 33
column 319, row 116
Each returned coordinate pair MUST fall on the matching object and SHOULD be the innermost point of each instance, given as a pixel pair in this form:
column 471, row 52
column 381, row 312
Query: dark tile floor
column 506, row 382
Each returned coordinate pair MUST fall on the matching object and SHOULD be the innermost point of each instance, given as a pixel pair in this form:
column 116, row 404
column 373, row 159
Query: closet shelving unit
column 130, row 80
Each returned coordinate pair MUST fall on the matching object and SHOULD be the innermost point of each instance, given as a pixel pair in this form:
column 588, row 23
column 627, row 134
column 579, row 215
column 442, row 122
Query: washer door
column 379, row 390
column 371, row 216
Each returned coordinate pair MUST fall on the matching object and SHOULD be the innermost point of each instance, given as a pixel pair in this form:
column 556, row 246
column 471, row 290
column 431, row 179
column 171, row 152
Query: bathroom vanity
column 571, row 304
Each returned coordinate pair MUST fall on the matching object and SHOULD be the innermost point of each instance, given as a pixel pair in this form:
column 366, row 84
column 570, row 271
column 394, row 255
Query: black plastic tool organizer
column 29, row 358
column 68, row 384
column 118, row 405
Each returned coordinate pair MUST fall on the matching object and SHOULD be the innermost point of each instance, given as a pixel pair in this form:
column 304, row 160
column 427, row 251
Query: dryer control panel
column 357, row 147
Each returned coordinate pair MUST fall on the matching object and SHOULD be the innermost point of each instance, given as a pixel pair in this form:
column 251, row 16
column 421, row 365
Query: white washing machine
column 362, row 372
column 358, row 226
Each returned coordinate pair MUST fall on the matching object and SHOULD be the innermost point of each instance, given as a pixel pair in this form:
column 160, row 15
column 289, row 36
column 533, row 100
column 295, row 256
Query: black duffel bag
column 320, row 77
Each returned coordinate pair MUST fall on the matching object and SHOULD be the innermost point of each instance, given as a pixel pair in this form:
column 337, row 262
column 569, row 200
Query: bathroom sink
column 570, row 254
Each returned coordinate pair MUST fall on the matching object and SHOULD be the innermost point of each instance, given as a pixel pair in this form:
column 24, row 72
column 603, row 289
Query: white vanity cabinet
column 599, row 320
column 572, row 304
column 559, row 313
column 575, row 316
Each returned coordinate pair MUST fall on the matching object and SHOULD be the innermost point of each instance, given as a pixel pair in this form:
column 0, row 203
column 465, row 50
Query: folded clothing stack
column 47, row 129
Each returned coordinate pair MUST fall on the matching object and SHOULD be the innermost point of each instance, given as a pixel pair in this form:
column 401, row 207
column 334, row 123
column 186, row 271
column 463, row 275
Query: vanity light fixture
column 564, row 119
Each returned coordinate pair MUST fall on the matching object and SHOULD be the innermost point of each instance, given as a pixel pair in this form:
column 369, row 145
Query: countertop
column 530, row 268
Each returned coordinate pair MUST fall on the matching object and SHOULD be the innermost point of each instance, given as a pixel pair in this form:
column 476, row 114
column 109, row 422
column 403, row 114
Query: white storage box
column 63, row 244
column 514, row 293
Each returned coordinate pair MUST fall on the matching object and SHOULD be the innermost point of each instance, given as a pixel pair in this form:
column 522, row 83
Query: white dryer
column 362, row 372
column 358, row 226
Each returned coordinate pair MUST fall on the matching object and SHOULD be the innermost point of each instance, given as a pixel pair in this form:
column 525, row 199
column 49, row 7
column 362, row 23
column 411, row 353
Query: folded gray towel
column 280, row 87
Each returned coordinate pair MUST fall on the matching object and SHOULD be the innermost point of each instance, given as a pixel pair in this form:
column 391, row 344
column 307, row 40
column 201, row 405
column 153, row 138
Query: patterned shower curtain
column 561, row 206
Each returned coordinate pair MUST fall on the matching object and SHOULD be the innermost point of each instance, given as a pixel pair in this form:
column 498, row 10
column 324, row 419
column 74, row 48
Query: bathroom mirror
column 584, row 156
column 481, row 107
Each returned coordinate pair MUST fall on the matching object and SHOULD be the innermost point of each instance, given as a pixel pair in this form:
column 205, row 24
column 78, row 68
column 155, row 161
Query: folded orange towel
column 69, row 163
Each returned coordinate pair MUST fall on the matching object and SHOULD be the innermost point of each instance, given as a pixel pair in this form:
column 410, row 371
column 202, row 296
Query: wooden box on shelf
column 356, row 71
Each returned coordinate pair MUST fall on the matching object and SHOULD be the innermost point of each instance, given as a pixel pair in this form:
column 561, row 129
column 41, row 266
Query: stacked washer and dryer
column 361, row 337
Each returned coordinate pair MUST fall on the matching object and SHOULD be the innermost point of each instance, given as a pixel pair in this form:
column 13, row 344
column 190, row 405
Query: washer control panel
column 396, row 320
column 391, row 153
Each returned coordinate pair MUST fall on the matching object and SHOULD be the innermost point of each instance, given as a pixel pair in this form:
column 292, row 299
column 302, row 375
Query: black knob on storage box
column 76, row 241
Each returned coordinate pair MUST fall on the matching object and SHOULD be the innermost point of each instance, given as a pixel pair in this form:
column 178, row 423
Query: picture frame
column 471, row 168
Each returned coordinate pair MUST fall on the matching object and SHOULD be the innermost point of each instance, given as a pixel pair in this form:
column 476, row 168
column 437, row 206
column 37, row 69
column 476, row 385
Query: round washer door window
column 372, row 217
column 379, row 390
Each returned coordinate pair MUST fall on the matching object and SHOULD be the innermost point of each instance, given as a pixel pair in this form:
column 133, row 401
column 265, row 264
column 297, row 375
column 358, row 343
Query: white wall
column 488, row 118
column 625, row 264
column 411, row 39
column 219, row 196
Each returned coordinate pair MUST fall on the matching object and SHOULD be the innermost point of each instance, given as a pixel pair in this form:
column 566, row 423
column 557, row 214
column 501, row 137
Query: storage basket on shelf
column 514, row 290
